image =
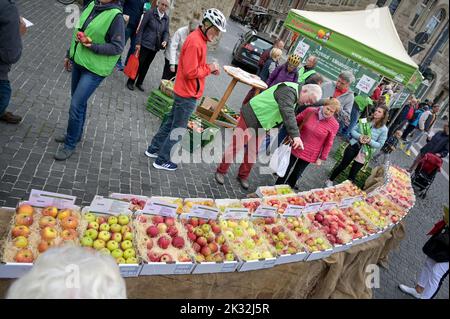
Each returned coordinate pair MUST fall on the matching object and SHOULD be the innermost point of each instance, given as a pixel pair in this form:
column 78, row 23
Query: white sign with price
column 312, row 208
column 160, row 208
column 365, row 84
column 265, row 211
column 44, row 199
column 101, row 204
column 294, row 211
column 235, row 213
column 204, row 212
column 302, row 49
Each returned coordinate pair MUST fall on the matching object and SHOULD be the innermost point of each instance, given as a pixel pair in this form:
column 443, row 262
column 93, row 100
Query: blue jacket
column 10, row 38
column 153, row 30
column 134, row 9
column 417, row 114
column 437, row 145
column 379, row 137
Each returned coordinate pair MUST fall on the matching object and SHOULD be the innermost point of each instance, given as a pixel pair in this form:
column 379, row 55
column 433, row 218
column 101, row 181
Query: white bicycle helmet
column 216, row 18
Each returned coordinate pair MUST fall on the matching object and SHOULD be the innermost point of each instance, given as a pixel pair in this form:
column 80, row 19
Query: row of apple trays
column 163, row 235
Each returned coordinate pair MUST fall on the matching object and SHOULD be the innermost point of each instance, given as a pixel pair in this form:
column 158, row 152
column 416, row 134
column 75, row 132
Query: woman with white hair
column 70, row 272
column 270, row 109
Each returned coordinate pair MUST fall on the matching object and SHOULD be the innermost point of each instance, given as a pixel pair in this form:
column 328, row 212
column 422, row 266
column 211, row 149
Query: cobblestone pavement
column 118, row 128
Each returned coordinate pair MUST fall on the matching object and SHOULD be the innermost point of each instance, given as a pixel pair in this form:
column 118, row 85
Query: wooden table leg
column 224, row 100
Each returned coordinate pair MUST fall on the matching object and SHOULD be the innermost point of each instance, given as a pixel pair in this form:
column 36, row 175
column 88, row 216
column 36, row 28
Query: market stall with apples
column 364, row 41
column 283, row 244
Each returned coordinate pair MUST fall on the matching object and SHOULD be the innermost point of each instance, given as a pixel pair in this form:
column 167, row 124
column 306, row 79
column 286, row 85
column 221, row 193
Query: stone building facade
column 421, row 24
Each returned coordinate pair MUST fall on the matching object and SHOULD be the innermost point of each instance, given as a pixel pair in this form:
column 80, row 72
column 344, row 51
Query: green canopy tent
column 367, row 37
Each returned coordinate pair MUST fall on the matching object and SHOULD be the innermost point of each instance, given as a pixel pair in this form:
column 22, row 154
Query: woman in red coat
column 318, row 128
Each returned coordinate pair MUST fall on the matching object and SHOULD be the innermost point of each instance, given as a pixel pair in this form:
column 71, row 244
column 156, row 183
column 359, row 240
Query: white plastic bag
column 280, row 159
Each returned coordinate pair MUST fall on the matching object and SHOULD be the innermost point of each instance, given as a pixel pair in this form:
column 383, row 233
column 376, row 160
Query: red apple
column 202, row 241
column 24, row 220
column 170, row 221
column 192, row 237
column 166, row 258
column 69, row 222
column 152, row 231
column 153, row 256
column 69, row 234
column 225, row 249
column 49, row 233
column 213, row 247
column 43, row 246
column 157, row 220
column 50, row 211
column 149, row 244
column 25, row 209
column 178, row 242
column 206, row 251
column 194, row 222
column 172, row 231
column 164, row 242
column 196, row 247
column 20, row 231
column 215, row 229
column 24, row 256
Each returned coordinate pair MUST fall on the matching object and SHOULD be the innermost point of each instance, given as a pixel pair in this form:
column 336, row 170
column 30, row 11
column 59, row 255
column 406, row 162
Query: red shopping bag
column 131, row 69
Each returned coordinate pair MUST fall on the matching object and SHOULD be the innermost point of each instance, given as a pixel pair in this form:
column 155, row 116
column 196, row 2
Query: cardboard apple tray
column 381, row 225
column 236, row 243
column 267, row 229
column 12, row 269
column 205, row 267
column 126, row 270
column 368, row 229
column 142, row 222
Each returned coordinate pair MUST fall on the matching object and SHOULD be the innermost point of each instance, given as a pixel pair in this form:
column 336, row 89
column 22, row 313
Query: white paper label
column 108, row 206
column 44, row 199
column 265, row 211
column 160, row 208
column 348, row 202
column 328, row 205
column 312, row 208
column 294, row 211
column 235, row 213
column 302, row 49
column 205, row 212
column 365, row 84
column 181, row 269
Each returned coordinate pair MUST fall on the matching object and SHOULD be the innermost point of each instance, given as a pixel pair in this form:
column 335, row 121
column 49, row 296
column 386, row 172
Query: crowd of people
column 308, row 111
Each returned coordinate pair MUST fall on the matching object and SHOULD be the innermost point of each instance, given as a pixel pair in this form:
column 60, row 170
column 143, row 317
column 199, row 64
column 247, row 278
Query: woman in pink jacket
column 318, row 128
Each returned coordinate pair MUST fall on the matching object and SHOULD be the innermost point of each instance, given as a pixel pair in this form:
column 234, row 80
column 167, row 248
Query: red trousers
column 246, row 139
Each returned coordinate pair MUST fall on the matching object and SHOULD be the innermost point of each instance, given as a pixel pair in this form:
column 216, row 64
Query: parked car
column 249, row 48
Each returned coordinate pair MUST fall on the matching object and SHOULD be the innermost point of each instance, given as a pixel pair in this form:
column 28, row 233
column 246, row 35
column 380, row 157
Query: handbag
column 132, row 67
column 279, row 162
column 437, row 247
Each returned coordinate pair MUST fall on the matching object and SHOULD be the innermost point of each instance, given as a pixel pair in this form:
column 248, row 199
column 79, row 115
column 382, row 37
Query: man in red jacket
column 189, row 86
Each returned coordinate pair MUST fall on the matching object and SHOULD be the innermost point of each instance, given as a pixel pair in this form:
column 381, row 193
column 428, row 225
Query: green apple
column 229, row 235
column 117, row 237
column 112, row 245
column 206, row 228
column 223, row 224
column 104, row 227
column 255, row 256
column 99, row 244
column 123, row 220
column 89, row 217
column 116, row 228
column 267, row 254
column 104, row 235
column 131, row 260
column 249, row 244
column 125, row 229
column 112, row 220
column 120, row 261
column 279, row 245
column 238, row 231
column 244, row 224
column 281, row 236
column 117, row 253
column 128, row 253
column 251, row 232
column 91, row 233
column 126, row 244
column 104, row 251
column 128, row 236
column 87, row 241
column 93, row 225
column 319, row 241
column 229, row 257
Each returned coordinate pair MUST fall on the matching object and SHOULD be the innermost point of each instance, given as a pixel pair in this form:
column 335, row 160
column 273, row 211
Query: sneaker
column 410, row 291
column 151, row 155
column 63, row 154
column 244, row 183
column 329, row 183
column 10, row 118
column 169, row 166
column 220, row 178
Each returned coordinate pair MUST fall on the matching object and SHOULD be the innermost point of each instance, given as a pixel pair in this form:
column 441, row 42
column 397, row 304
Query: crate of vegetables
column 199, row 134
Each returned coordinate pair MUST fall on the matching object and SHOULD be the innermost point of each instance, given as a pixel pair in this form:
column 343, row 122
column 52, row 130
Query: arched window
column 423, row 8
column 434, row 22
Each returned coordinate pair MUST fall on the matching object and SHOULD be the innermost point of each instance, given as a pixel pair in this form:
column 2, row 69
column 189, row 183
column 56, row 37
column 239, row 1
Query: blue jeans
column 354, row 117
column 162, row 144
column 5, row 95
column 418, row 134
column 84, row 83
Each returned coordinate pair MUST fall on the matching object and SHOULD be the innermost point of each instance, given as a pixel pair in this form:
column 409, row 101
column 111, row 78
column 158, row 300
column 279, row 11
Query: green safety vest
column 99, row 64
column 302, row 75
column 266, row 107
